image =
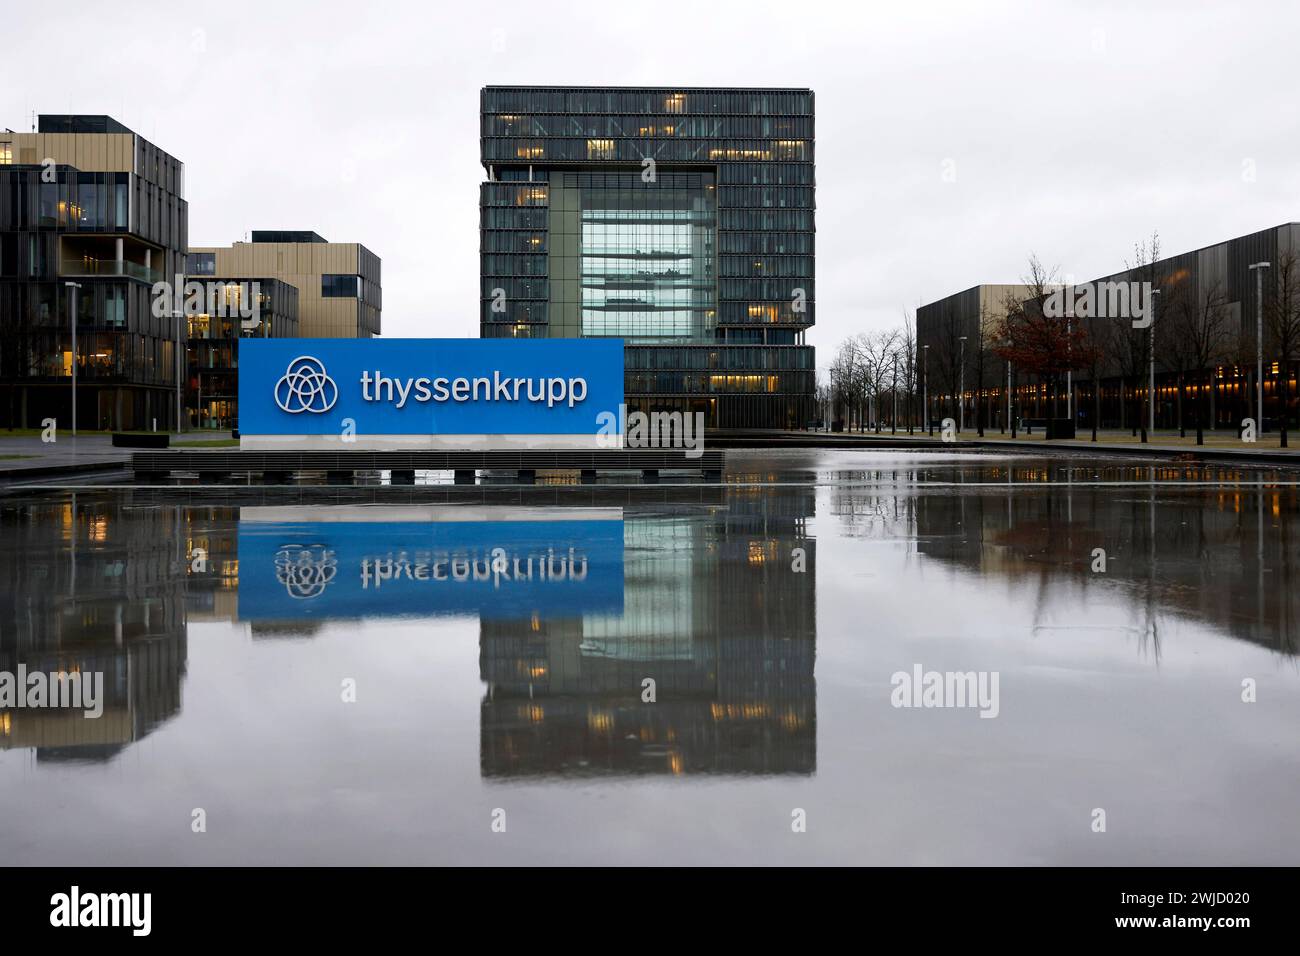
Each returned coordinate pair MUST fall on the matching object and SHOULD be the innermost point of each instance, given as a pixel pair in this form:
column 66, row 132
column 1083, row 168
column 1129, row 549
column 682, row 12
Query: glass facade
column 677, row 219
column 646, row 254
column 113, row 233
column 212, row 349
column 340, row 286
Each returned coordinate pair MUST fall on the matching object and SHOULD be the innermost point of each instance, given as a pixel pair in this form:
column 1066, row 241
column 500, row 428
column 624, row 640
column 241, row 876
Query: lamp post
column 179, row 315
column 1069, row 373
column 73, row 287
column 893, row 424
column 1258, row 268
column 1007, row 424
column 925, row 400
column 1151, row 368
column 961, row 389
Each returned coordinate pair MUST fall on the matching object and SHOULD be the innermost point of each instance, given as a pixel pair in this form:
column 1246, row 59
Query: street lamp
column 1008, row 423
column 893, row 424
column 925, row 398
column 72, row 319
column 1151, row 368
column 961, row 389
column 1069, row 373
column 1258, row 268
column 179, row 315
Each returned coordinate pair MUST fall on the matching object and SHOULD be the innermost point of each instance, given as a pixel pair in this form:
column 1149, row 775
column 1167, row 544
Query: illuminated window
column 530, row 196
column 675, row 103
column 739, row 154
column 6, row 154
column 600, row 149
column 529, row 152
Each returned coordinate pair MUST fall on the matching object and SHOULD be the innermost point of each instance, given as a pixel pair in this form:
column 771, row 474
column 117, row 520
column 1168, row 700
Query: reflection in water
column 82, row 590
column 577, row 607
column 1221, row 554
column 485, row 684
column 713, row 615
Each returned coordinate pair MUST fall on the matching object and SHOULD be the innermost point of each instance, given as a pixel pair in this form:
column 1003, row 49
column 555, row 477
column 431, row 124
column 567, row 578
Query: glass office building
column 212, row 349
column 680, row 220
column 84, row 200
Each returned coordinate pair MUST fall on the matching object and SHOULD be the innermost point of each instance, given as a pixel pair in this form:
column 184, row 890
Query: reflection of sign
column 306, row 387
column 505, row 569
column 304, row 570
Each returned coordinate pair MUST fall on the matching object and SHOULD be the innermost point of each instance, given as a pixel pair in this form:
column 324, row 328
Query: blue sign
column 503, row 570
column 428, row 386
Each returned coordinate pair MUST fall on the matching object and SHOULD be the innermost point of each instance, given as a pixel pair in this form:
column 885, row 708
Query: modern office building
column 947, row 330
column 680, row 220
column 91, row 213
column 1209, row 296
column 238, row 307
column 338, row 283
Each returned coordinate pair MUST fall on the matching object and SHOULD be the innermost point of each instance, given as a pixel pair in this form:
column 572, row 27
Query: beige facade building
column 338, row 283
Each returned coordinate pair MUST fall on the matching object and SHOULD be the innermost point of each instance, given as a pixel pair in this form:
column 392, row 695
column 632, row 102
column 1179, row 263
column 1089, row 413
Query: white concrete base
column 426, row 442
column 325, row 514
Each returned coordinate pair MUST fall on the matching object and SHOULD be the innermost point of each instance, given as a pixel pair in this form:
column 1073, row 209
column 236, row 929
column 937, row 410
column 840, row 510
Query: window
column 6, row 154
column 340, row 287
column 201, row 263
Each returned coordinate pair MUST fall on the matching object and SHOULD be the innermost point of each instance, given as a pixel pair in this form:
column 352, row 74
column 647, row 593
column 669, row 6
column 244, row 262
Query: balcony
column 108, row 257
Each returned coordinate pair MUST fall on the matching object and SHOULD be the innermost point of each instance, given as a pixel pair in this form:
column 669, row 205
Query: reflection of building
column 1222, row 555
column 89, row 584
column 88, row 201
column 680, row 220
column 712, row 613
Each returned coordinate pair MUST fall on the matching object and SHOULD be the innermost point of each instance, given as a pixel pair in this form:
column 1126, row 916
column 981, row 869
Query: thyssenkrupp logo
column 306, row 387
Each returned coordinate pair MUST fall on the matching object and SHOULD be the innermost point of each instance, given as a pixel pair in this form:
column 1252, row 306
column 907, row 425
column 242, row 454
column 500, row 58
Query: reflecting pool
column 679, row 673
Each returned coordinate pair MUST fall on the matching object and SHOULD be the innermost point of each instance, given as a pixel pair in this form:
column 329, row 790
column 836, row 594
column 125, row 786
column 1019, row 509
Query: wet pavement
column 682, row 673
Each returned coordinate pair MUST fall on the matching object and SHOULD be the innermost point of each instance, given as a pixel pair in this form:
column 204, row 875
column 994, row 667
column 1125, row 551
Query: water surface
column 498, row 640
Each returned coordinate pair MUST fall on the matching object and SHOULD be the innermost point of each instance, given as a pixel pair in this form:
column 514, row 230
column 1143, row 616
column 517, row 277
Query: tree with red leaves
column 1040, row 344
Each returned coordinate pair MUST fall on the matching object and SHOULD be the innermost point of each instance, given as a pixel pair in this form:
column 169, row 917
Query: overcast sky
column 952, row 139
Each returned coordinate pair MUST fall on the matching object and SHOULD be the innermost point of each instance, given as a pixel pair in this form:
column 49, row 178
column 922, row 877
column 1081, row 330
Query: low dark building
column 1208, row 301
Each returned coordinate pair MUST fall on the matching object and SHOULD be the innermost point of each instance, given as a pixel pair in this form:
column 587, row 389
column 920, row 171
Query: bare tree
column 1198, row 340
column 1132, row 347
column 846, row 381
column 907, row 366
column 1097, row 334
column 875, row 350
column 1282, row 315
column 947, row 357
column 981, row 356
